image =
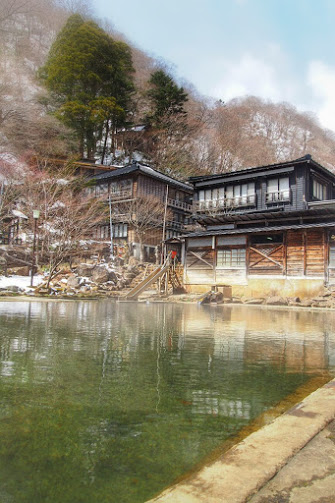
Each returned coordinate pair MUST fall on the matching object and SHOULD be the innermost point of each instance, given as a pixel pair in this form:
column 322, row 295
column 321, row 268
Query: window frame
column 239, row 262
column 277, row 194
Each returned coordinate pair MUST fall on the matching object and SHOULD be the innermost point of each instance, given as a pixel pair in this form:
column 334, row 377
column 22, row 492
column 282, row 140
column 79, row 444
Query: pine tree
column 167, row 99
column 86, row 64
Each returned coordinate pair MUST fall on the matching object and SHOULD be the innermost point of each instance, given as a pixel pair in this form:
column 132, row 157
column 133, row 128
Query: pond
column 105, row 402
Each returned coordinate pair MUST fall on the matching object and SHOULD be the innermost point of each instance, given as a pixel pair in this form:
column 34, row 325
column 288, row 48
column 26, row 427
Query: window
column 266, row 239
column 101, row 189
column 319, row 190
column 102, row 232
column 229, row 196
column 120, row 230
column 278, row 189
column 121, row 188
column 231, row 258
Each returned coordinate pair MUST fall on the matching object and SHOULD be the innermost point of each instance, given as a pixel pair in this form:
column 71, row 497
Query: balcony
column 121, row 195
column 278, row 196
column 175, row 203
column 226, row 204
column 178, row 226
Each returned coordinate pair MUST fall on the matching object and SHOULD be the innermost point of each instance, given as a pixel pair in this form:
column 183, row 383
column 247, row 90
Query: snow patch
column 22, row 282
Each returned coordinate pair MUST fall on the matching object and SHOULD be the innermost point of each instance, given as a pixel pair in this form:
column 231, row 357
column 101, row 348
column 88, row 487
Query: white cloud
column 268, row 76
column 248, row 76
column 321, row 79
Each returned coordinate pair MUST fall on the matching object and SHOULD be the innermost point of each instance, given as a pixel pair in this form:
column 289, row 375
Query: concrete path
column 291, row 460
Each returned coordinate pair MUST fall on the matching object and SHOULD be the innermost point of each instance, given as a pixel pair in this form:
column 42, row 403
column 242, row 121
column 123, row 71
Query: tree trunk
column 140, row 242
column 113, row 140
column 105, row 143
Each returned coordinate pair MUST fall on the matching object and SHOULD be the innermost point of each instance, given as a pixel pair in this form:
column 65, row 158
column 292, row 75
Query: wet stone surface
column 307, row 478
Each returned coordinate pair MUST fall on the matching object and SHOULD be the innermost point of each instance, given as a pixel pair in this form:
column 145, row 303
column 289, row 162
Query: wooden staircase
column 165, row 275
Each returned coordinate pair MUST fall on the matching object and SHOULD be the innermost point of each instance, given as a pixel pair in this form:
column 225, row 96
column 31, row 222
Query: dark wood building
column 138, row 183
column 265, row 230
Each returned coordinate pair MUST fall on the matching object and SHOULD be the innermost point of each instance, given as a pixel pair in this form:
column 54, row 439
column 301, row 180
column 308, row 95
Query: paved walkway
column 309, row 477
column 291, row 460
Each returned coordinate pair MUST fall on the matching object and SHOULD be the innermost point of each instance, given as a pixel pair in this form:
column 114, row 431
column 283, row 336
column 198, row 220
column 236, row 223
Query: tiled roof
column 146, row 170
column 267, row 229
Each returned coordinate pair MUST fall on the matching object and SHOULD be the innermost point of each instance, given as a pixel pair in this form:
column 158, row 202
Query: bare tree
column 11, row 173
column 145, row 218
column 9, row 9
column 68, row 214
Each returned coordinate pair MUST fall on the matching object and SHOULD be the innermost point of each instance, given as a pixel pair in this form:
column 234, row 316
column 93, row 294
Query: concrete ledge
column 245, row 468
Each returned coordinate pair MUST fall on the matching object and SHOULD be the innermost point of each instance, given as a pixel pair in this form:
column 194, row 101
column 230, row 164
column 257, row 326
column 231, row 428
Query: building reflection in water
column 124, row 383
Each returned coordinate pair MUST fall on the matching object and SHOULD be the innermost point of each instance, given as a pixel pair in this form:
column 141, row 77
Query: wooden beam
column 199, row 257
column 266, row 256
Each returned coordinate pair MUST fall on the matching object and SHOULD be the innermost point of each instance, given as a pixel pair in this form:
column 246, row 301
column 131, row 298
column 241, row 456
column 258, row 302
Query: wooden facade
column 124, row 186
column 264, row 230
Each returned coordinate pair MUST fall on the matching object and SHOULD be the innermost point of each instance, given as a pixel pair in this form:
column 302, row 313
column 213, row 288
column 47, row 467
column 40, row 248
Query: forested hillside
column 125, row 104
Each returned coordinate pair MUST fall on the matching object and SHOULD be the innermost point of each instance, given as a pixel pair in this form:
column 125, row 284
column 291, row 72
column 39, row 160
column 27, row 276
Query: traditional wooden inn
column 164, row 208
column 267, row 230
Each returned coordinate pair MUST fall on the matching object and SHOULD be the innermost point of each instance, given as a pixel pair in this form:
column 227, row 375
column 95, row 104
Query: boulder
column 85, row 270
column 306, row 303
column 14, row 289
column 276, row 301
column 234, row 300
column 23, row 271
column 84, row 289
column 254, row 301
column 73, row 282
column 100, row 275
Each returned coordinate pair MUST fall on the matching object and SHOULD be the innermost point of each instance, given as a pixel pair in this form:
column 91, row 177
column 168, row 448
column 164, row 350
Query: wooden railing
column 6, row 241
column 278, row 196
column 121, row 194
column 179, row 204
column 228, row 203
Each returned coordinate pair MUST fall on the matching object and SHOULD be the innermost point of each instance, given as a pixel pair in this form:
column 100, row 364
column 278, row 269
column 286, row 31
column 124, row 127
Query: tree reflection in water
column 112, row 402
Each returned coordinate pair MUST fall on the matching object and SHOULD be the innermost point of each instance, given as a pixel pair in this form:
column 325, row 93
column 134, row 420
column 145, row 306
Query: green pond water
column 104, row 402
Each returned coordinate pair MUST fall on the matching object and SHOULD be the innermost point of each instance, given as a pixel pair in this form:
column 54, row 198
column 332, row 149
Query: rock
column 43, row 291
column 132, row 261
column 254, row 301
column 213, row 297
column 14, row 289
column 73, row 282
column 276, row 301
column 85, row 270
column 100, row 275
column 22, row 271
column 306, row 303
column 84, row 289
column 113, row 277
column 234, row 300
column 321, row 304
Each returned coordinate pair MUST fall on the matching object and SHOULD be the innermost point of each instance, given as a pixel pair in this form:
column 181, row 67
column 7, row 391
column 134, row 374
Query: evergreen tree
column 85, row 64
column 167, row 100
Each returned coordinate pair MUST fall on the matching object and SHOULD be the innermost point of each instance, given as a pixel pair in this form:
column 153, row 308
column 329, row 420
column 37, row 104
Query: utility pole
column 164, row 223
column 111, row 227
column 36, row 215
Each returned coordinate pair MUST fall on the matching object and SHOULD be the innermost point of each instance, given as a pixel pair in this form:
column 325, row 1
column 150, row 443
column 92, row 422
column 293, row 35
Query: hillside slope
column 219, row 136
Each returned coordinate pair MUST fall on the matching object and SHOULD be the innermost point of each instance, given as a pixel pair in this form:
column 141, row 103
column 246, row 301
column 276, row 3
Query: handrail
column 153, row 276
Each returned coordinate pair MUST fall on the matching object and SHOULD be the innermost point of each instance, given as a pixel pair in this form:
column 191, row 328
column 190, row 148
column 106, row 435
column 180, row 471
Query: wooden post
column 285, row 253
column 304, row 244
column 164, row 225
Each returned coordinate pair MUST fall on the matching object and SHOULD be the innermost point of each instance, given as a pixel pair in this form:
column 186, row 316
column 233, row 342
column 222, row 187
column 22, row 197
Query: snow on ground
column 20, row 281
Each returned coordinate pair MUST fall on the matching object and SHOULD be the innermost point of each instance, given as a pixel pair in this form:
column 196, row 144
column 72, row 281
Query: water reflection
column 111, row 402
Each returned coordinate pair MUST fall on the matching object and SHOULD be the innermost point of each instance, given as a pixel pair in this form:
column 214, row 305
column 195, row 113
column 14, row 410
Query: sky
column 278, row 50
